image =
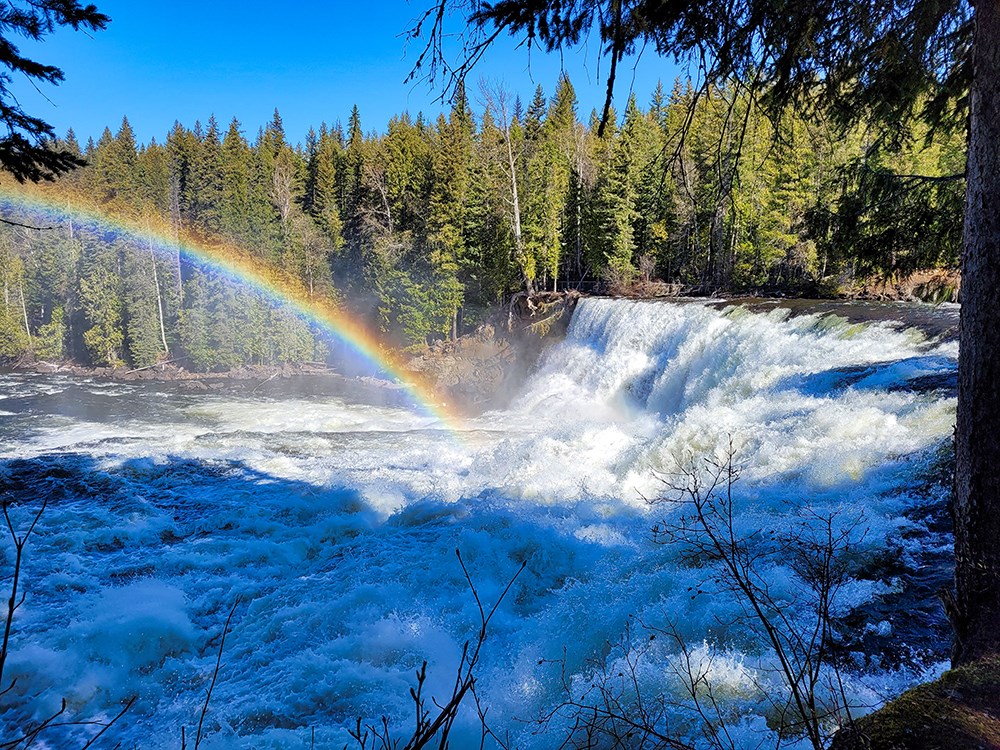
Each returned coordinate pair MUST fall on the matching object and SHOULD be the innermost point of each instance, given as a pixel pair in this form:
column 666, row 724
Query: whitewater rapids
column 337, row 522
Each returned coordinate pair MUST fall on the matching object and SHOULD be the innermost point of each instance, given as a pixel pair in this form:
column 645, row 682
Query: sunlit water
column 337, row 522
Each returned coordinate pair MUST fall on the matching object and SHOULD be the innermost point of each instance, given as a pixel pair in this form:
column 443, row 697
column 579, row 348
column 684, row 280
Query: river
column 335, row 518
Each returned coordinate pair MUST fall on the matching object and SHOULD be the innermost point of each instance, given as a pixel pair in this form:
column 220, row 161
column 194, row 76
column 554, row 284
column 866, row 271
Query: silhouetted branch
column 12, row 223
column 429, row 726
column 706, row 530
column 12, row 602
column 215, row 676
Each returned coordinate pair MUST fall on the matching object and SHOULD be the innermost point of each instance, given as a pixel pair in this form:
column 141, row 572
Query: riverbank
column 482, row 369
column 958, row 711
column 931, row 285
column 477, row 371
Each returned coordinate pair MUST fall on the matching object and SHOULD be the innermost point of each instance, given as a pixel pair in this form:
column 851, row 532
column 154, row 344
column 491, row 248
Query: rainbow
column 236, row 265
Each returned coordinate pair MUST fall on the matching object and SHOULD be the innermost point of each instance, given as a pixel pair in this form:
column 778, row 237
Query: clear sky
column 187, row 59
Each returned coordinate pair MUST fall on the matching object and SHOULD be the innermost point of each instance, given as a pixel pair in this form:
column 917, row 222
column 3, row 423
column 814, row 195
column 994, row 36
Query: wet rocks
column 482, row 369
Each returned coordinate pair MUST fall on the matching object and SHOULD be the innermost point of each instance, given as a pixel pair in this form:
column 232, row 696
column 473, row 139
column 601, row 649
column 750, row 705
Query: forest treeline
column 424, row 227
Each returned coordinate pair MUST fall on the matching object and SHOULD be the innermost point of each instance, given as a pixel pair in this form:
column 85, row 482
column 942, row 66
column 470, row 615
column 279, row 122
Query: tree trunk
column 175, row 222
column 24, row 312
column 516, row 211
column 975, row 611
column 159, row 302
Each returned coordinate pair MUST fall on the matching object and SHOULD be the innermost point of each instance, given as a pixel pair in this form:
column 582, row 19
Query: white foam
column 338, row 523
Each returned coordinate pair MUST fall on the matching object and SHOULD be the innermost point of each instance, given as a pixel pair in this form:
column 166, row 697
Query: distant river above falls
column 336, row 521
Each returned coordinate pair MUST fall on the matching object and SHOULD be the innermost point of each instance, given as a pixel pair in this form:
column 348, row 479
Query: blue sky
column 158, row 62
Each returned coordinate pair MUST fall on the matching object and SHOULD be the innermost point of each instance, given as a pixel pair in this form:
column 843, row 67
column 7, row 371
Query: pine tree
column 452, row 161
column 115, row 165
column 205, row 180
column 656, row 192
column 142, row 310
column 102, row 301
column 14, row 335
column 613, row 209
column 27, row 148
column 349, row 174
column 489, row 243
column 509, row 157
column 193, row 323
column 323, row 200
column 70, row 144
column 153, row 168
column 235, row 176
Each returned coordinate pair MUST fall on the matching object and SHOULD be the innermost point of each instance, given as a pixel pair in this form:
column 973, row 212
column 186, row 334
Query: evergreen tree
column 492, row 271
column 153, row 167
column 323, row 200
column 115, row 164
column 142, row 309
column 446, row 230
column 26, row 148
column 614, row 211
column 205, row 180
column 235, row 214
column 102, row 301
column 14, row 335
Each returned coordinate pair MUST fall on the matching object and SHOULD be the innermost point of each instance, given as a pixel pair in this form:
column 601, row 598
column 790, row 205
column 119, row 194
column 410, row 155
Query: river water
column 336, row 518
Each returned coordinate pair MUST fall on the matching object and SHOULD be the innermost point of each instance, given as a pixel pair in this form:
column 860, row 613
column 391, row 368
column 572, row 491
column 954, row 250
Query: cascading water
column 337, row 521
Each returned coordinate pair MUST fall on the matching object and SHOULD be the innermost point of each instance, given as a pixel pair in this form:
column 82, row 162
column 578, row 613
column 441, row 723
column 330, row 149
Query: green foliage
column 422, row 228
column 13, row 341
column 101, row 298
column 115, row 165
column 142, row 309
column 50, row 342
column 27, row 151
column 13, row 336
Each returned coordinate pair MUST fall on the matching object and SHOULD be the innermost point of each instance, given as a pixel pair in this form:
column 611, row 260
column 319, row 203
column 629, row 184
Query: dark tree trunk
column 975, row 612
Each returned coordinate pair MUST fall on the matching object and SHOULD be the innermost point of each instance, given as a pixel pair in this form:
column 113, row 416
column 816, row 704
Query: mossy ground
column 959, row 711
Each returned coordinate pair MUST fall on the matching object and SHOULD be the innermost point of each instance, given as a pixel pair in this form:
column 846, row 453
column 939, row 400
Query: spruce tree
column 446, row 230
column 102, row 302
column 28, row 150
column 204, row 180
column 235, row 187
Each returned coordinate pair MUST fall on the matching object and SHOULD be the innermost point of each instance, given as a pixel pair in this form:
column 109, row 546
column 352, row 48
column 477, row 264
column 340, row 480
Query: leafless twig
column 13, row 604
column 430, row 726
column 215, row 677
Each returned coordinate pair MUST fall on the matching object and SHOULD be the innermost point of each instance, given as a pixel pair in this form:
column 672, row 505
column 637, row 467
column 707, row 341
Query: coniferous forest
column 423, row 227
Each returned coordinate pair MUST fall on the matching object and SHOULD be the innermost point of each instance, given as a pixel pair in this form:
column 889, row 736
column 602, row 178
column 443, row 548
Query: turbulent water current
column 335, row 518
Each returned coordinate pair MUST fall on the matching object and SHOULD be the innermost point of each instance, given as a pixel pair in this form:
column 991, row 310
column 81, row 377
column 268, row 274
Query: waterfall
column 336, row 520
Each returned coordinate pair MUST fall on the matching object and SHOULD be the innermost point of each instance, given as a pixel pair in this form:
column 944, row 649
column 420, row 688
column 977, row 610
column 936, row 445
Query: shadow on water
column 918, row 570
column 134, row 562
column 325, row 572
column 179, row 485
column 923, row 374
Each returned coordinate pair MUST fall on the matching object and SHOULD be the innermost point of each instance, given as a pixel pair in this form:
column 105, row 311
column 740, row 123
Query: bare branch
column 215, row 674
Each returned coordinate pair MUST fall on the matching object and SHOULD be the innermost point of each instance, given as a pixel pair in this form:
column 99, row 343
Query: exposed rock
column 481, row 369
column 933, row 285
